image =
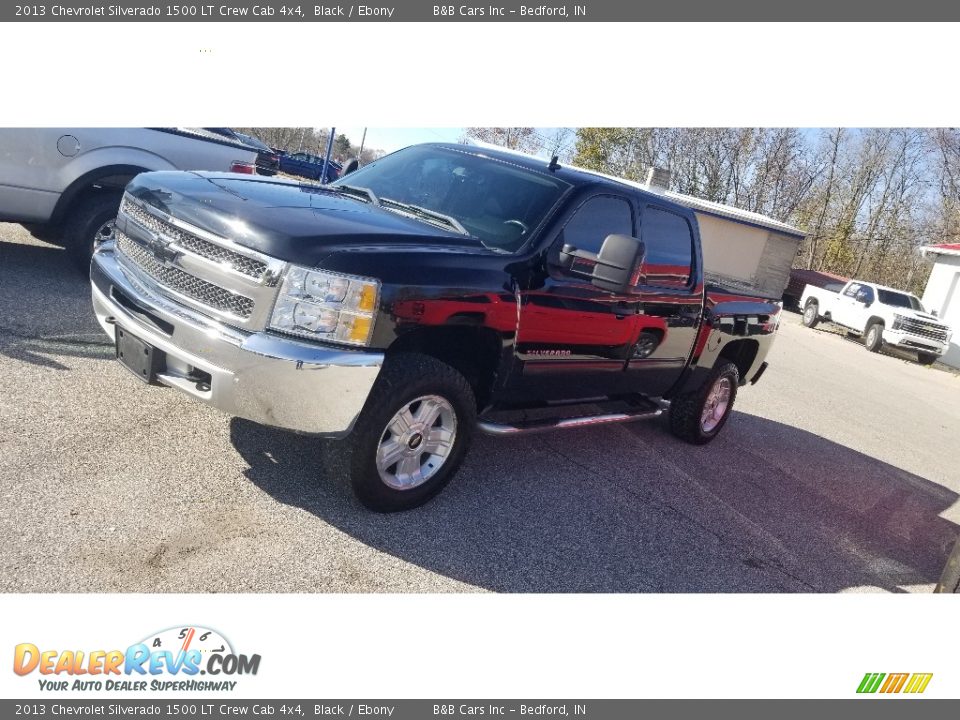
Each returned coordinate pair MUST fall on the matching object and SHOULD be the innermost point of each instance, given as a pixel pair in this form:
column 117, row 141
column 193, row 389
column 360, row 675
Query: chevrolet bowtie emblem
column 161, row 249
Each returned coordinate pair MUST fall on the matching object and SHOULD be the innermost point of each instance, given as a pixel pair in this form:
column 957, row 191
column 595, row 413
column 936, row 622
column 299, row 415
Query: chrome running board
column 547, row 424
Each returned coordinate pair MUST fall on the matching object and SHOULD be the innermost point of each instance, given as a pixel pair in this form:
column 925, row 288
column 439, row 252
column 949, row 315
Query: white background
column 117, row 74
column 520, row 646
column 535, row 74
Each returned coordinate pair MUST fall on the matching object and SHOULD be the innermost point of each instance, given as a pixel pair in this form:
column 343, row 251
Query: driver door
column 574, row 338
column 845, row 311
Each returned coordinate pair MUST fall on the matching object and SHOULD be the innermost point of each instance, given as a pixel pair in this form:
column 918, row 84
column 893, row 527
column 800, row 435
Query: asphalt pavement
column 838, row 472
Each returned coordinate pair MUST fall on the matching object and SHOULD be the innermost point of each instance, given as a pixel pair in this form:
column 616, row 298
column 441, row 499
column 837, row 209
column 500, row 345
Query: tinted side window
column 595, row 219
column 669, row 242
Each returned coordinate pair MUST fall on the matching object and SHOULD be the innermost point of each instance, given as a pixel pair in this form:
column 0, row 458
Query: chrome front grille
column 922, row 329
column 182, row 282
column 194, row 243
column 209, row 273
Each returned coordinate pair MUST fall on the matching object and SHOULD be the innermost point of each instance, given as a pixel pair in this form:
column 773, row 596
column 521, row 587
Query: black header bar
column 214, row 708
column 496, row 11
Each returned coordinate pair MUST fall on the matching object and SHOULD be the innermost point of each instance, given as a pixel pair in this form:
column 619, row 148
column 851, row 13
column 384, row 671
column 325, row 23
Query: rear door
column 671, row 296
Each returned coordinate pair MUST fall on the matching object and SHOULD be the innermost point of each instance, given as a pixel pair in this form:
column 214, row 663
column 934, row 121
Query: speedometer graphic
column 183, row 639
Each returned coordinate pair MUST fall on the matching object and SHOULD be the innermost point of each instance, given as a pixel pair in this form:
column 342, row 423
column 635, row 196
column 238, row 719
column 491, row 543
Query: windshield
column 498, row 203
column 897, row 299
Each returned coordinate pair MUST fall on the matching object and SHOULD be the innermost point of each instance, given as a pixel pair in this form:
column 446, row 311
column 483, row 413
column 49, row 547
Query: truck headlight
column 897, row 322
column 322, row 305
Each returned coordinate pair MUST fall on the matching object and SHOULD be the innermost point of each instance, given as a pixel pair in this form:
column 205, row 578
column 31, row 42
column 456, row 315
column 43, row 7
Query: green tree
column 342, row 149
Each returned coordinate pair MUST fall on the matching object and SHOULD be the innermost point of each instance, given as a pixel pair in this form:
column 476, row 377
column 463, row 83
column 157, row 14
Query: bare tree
column 821, row 198
column 867, row 198
column 289, row 138
column 559, row 142
column 945, row 146
column 312, row 140
column 524, row 139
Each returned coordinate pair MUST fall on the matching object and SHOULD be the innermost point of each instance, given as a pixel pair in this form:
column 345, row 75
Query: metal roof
column 942, row 249
column 731, row 212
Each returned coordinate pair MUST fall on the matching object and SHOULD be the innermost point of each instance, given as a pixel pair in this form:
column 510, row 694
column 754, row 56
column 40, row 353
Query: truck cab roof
column 878, row 286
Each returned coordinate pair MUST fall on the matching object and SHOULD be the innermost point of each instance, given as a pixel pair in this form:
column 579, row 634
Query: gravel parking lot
column 838, row 472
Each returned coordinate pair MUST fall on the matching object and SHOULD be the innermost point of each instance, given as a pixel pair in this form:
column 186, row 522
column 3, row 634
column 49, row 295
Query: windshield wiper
column 425, row 214
column 357, row 190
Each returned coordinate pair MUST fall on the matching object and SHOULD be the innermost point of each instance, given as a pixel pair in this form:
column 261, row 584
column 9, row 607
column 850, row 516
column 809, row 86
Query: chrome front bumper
column 909, row 341
column 268, row 379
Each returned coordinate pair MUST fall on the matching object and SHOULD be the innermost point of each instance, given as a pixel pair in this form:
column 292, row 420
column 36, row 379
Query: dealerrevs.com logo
column 892, row 683
column 172, row 659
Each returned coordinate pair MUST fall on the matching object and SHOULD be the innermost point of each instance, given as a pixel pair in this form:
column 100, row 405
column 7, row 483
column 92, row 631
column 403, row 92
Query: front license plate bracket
column 137, row 356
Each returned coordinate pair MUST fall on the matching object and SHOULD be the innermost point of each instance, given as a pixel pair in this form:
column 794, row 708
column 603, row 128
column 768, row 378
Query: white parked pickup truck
column 65, row 184
column 881, row 315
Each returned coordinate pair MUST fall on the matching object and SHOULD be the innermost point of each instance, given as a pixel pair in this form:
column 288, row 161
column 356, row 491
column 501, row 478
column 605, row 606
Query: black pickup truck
column 441, row 290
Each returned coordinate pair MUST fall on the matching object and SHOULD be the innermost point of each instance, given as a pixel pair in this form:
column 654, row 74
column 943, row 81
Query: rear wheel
column 926, row 358
column 811, row 314
column 92, row 222
column 873, row 337
column 699, row 416
column 412, row 435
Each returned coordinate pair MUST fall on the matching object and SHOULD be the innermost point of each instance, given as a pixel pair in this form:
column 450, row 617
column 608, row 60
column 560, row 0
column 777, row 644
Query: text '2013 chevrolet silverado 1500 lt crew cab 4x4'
column 881, row 315
column 438, row 291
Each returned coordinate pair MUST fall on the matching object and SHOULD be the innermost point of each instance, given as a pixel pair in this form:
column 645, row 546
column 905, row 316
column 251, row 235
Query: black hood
column 291, row 221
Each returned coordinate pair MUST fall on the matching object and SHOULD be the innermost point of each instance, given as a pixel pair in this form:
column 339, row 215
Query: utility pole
column 362, row 141
column 326, row 158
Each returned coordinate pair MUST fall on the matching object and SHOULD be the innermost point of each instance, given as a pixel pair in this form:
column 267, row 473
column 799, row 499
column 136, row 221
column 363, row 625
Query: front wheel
column 90, row 224
column 698, row 417
column 873, row 339
column 412, row 435
column 926, row 358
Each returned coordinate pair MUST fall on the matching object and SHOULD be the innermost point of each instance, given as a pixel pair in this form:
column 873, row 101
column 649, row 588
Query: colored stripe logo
column 913, row 683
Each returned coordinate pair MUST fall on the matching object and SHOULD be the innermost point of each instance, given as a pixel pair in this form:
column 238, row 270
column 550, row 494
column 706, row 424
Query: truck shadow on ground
column 46, row 310
column 766, row 508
